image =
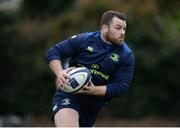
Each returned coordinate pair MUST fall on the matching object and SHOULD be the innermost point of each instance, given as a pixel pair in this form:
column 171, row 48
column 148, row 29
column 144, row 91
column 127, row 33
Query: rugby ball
column 79, row 77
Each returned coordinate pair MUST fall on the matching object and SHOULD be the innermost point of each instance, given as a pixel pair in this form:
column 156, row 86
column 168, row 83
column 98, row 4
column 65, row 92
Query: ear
column 105, row 28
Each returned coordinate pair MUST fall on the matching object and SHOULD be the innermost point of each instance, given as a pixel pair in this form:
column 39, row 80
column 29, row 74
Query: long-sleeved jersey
column 110, row 65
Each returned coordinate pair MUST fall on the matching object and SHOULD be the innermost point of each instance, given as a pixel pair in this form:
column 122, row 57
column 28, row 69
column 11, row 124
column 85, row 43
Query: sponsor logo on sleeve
column 90, row 49
column 114, row 57
column 65, row 101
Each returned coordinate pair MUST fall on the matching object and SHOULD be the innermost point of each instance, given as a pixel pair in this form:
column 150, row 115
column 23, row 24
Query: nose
column 122, row 32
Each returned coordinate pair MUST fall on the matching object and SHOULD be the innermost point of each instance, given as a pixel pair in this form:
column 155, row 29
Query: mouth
column 121, row 39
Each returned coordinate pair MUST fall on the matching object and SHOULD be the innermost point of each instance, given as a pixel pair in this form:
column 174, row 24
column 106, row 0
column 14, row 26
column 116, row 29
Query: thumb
column 69, row 69
column 90, row 83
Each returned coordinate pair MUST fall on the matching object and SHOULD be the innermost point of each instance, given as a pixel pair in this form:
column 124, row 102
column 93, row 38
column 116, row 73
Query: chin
column 119, row 42
column 122, row 42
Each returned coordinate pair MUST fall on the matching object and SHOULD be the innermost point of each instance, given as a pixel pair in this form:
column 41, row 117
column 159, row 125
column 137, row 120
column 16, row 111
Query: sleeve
column 122, row 78
column 66, row 48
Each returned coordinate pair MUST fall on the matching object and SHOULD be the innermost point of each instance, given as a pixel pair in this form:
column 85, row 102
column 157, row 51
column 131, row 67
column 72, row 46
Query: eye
column 118, row 28
column 124, row 28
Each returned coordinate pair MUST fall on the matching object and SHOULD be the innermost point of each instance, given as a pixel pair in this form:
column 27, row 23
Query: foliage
column 27, row 82
column 44, row 8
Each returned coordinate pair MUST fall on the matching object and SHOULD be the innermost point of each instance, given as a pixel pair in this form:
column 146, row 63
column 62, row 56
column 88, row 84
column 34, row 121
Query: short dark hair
column 109, row 15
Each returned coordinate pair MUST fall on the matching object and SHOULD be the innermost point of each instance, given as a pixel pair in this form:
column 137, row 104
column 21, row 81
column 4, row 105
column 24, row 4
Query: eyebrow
column 121, row 25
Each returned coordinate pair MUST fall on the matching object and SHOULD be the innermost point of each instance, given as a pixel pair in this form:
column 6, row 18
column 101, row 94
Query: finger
column 64, row 77
column 58, row 84
column 61, row 81
column 81, row 92
column 86, row 88
column 61, row 84
column 90, row 83
column 64, row 82
column 69, row 69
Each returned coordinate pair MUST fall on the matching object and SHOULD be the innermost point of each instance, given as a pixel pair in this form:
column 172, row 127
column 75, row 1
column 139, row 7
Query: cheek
column 115, row 33
column 112, row 34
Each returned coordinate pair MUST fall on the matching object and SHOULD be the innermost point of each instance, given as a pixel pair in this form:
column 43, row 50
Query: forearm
column 99, row 91
column 55, row 66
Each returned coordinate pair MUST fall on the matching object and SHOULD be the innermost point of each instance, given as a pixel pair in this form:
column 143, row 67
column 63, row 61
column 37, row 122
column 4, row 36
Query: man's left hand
column 91, row 89
column 88, row 89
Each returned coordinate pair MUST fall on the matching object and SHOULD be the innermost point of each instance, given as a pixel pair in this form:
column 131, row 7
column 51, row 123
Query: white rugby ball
column 79, row 77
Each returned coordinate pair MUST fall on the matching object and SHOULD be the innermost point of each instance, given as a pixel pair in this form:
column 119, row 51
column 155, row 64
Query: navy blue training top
column 110, row 65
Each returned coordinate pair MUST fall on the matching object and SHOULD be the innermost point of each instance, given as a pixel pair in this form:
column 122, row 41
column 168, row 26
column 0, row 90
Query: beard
column 118, row 41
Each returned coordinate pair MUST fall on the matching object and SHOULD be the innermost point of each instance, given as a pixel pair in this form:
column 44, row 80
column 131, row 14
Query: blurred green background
column 29, row 27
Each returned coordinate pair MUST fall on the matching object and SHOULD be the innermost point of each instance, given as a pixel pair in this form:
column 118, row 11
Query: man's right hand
column 62, row 78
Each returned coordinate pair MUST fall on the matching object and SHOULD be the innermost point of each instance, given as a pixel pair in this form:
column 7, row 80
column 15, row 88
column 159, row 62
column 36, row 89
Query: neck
column 103, row 37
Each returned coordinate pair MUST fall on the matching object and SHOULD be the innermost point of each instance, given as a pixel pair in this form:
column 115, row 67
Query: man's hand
column 88, row 89
column 62, row 78
column 91, row 89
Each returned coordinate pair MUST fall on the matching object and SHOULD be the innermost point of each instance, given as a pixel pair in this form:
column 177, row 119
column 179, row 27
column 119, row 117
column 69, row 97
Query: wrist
column 58, row 72
column 99, row 90
column 56, row 66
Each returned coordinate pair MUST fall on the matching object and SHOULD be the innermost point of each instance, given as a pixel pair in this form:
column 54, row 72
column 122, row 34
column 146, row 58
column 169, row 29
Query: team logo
column 74, row 36
column 114, row 57
column 95, row 66
column 65, row 101
column 55, row 107
column 90, row 49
